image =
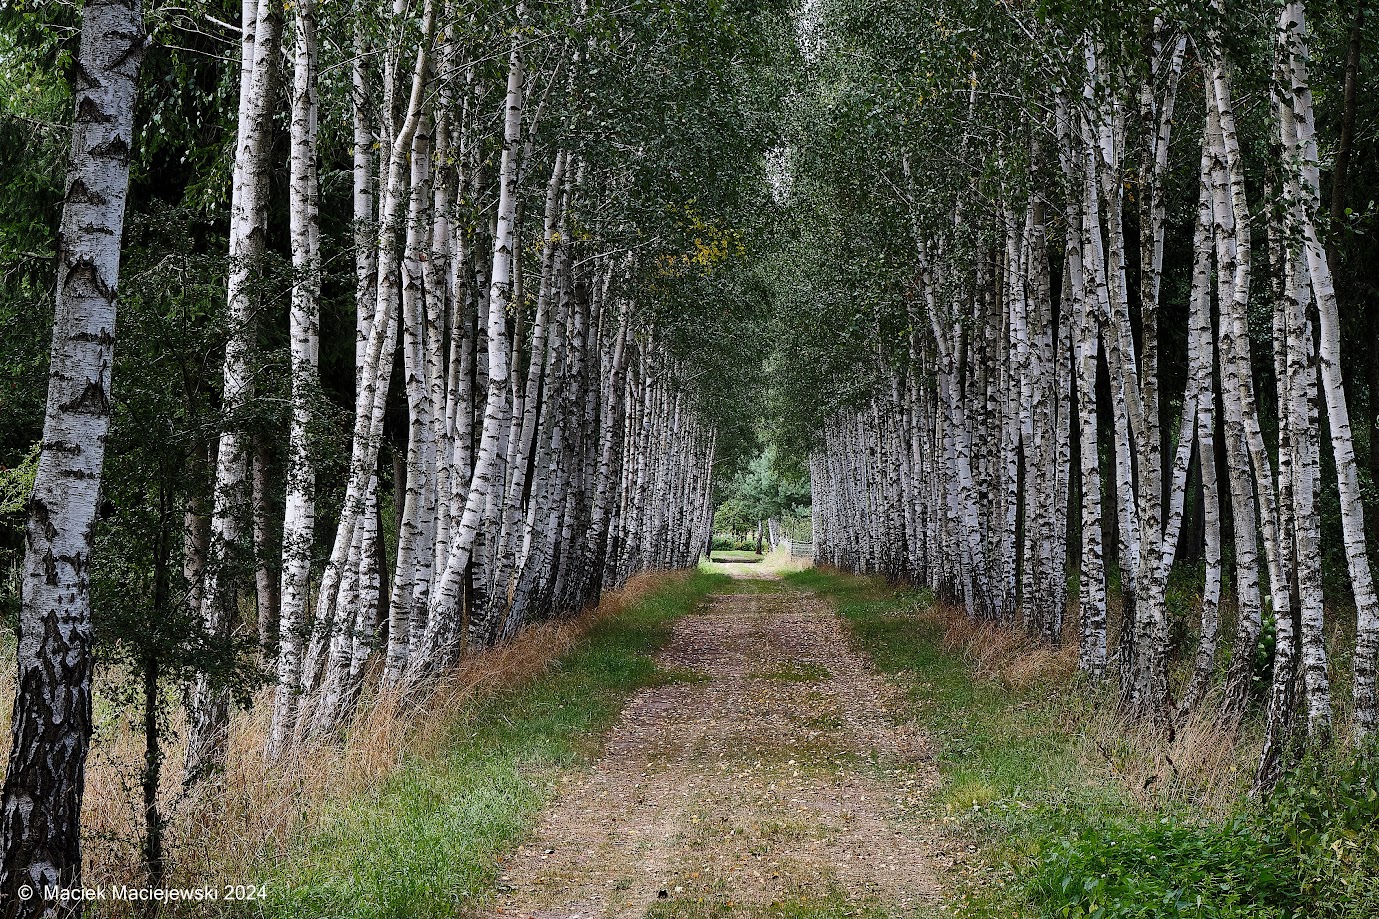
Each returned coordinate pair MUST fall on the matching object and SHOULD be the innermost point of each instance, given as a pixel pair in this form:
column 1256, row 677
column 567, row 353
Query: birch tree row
column 1059, row 411
column 552, row 448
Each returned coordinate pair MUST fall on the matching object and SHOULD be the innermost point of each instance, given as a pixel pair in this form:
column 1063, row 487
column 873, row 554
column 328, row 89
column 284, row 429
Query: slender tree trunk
column 1300, row 119
column 299, row 520
column 51, row 725
column 1202, row 364
column 208, row 704
column 442, row 631
column 335, row 620
column 267, row 589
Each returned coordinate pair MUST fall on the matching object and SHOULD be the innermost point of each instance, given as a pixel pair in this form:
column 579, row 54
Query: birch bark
column 299, row 520
column 443, row 626
column 40, row 807
column 370, row 398
column 208, row 706
column 1299, row 109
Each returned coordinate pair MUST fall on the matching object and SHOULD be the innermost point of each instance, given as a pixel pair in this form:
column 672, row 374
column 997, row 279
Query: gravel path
column 768, row 770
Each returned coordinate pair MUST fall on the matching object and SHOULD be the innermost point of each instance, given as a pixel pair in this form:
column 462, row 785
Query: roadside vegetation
column 433, row 795
column 440, row 321
column 1039, row 793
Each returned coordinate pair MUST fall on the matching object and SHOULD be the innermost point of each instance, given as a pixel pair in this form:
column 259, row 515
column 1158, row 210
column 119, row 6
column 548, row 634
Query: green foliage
column 733, row 517
column 1312, row 850
column 766, row 489
column 17, row 484
column 33, row 116
column 1323, row 819
column 680, row 102
column 163, row 419
column 1183, row 605
column 1164, row 868
column 734, row 543
column 173, row 261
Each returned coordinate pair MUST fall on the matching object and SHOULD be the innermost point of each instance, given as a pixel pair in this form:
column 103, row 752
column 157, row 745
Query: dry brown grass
column 771, row 565
column 779, row 561
column 253, row 809
column 1003, row 651
column 1197, row 764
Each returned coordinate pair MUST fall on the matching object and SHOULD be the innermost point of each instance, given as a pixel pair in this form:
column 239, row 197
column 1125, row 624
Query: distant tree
column 767, row 490
column 732, row 516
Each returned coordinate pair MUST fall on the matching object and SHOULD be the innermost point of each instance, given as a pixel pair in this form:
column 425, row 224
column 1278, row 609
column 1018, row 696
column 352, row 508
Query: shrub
column 1163, row 870
column 734, row 543
column 1324, row 817
column 1311, row 850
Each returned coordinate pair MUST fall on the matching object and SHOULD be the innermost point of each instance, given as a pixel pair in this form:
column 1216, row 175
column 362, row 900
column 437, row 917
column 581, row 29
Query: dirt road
column 767, row 776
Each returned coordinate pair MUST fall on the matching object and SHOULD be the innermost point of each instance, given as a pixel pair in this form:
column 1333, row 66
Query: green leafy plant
column 1167, row 868
column 1324, row 817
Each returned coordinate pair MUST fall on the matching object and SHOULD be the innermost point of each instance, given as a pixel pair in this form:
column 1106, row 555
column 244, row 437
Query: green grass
column 1011, row 779
column 667, row 675
column 426, row 844
column 1004, row 745
column 832, row 905
column 1053, row 839
column 1047, row 837
column 736, row 555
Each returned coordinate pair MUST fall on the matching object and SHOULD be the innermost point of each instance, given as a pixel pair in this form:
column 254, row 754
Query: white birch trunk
column 443, row 625
column 299, row 519
column 1298, row 103
column 208, row 705
column 51, row 727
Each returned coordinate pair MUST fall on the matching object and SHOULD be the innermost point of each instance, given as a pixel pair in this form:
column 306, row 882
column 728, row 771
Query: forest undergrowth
column 1070, row 811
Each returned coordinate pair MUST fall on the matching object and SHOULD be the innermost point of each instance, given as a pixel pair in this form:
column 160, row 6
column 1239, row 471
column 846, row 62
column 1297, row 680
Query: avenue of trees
column 341, row 341
column 1107, row 272
column 420, row 336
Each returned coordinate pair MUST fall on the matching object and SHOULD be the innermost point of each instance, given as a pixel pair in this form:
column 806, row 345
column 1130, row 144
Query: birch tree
column 990, row 342
column 51, row 727
column 300, row 514
column 208, row 704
